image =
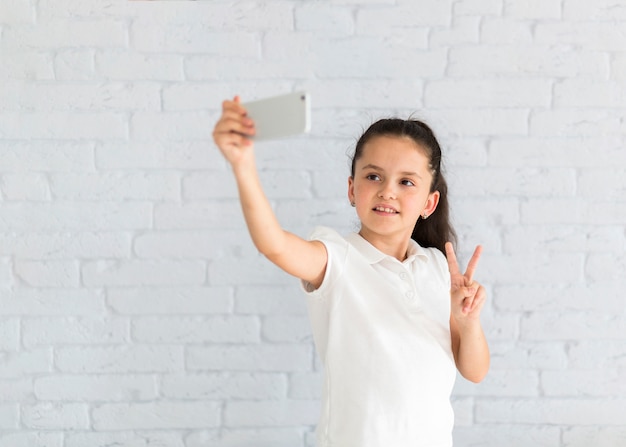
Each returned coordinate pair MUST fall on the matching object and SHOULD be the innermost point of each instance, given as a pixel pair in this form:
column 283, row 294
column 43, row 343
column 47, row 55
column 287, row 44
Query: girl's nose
column 387, row 191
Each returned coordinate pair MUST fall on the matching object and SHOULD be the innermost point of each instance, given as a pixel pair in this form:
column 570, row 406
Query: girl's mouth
column 383, row 209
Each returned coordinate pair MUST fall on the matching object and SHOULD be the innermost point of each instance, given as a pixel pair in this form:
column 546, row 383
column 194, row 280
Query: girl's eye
column 407, row 183
column 372, row 177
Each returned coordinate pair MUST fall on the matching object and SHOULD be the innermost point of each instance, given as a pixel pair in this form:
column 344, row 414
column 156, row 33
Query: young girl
column 391, row 316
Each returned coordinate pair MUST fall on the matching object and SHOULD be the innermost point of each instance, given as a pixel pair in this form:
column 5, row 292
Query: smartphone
column 280, row 116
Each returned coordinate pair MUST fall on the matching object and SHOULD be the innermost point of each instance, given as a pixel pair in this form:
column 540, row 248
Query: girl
column 391, row 316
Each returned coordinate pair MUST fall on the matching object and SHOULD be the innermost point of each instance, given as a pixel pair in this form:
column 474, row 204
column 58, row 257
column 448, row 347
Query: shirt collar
column 373, row 255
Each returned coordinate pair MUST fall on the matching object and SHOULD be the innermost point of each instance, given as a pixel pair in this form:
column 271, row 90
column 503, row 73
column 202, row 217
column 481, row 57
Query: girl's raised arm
column 301, row 258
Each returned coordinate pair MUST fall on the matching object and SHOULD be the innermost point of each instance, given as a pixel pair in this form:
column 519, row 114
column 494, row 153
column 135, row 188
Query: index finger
column 234, row 106
column 473, row 263
column 453, row 264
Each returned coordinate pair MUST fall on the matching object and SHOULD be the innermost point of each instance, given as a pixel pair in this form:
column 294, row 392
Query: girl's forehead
column 395, row 148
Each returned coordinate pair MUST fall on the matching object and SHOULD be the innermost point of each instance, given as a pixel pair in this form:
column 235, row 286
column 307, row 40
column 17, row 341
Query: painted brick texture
column 135, row 311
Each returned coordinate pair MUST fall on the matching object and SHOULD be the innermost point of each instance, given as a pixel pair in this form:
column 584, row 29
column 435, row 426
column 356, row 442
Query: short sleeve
column 336, row 249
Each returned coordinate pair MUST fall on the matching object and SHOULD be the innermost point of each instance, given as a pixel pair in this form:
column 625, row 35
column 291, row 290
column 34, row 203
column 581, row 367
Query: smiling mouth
column 385, row 210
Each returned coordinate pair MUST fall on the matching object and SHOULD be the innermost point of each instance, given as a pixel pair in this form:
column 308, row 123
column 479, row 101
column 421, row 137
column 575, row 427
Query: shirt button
column 410, row 294
column 403, row 275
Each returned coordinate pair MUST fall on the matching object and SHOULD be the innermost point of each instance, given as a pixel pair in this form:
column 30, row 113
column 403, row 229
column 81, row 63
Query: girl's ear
column 351, row 189
column 431, row 203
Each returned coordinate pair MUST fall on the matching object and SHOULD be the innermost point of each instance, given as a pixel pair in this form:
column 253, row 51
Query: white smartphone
column 280, row 116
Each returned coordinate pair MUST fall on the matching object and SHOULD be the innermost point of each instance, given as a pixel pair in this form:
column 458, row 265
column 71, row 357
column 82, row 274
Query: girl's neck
column 392, row 245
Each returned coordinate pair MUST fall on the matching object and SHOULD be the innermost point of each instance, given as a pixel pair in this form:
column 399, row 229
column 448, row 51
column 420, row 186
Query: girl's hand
column 232, row 131
column 468, row 297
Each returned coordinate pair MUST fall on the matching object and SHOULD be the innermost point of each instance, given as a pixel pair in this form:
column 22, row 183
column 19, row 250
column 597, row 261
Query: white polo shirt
column 382, row 331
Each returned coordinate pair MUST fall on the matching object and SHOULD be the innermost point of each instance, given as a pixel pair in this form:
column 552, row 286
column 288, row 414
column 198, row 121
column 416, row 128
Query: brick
column 581, row 412
column 48, row 273
column 572, row 326
column 239, row 437
column 556, row 152
column 156, row 415
column 100, row 388
column 154, row 37
column 272, row 414
column 72, row 330
column 119, row 359
column 213, row 330
column 586, row 94
column 198, row 215
column 329, row 20
column 139, row 272
column 249, row 271
column 383, row 94
column 65, row 96
column 9, row 334
column 597, row 354
column 63, row 125
column 210, row 244
column 544, row 297
column 9, row 416
column 286, row 329
column 157, row 155
column 126, row 65
column 26, row 64
column 546, row 268
column 539, row 60
column 598, row 11
column 116, row 186
column 25, row 187
column 581, row 436
column 477, row 7
column 605, row 267
column 124, row 439
column 463, row 409
column 55, row 301
column 16, row 390
column 171, row 125
column 597, row 36
column 63, row 33
column 406, row 14
column 16, row 12
column 178, row 300
column 66, row 245
column 464, row 30
column 507, row 434
column 276, row 184
column 31, row 439
column 262, row 357
column 270, row 300
column 489, row 93
column 83, row 9
column 502, row 383
column 521, row 182
column 533, row 9
column 591, row 383
column 306, row 385
column 74, row 65
column 224, row 386
column 62, row 416
column 33, row 156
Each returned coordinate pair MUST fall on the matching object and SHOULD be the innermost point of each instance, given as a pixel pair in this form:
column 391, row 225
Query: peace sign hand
column 468, row 297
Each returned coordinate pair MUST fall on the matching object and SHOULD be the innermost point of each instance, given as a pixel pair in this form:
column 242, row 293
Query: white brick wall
column 134, row 310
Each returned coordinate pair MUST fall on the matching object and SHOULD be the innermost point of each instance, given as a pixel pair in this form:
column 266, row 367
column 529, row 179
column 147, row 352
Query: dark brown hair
column 437, row 229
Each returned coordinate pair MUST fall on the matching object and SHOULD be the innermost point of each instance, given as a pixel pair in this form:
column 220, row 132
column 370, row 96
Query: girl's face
column 391, row 188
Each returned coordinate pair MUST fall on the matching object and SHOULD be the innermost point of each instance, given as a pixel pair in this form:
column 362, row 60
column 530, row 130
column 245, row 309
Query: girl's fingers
column 473, row 263
column 453, row 265
column 229, row 125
